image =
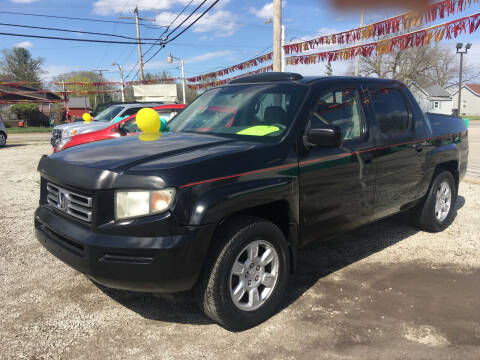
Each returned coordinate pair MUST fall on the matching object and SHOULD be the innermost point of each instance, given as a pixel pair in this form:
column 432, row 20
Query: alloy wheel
column 443, row 201
column 254, row 275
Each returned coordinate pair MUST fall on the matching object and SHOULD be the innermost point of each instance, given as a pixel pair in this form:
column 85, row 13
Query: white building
column 433, row 99
column 470, row 99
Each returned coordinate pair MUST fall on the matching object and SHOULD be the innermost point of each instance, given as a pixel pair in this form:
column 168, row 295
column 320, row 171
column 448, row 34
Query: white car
column 104, row 119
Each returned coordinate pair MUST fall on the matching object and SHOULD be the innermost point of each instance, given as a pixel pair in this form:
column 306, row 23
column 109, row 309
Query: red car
column 129, row 127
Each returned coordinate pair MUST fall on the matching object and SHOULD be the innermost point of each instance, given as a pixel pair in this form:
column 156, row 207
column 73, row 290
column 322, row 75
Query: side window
column 167, row 115
column 390, row 110
column 340, row 107
column 130, row 112
column 130, row 126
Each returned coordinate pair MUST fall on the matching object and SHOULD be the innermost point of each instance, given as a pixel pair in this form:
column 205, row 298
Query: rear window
column 390, row 110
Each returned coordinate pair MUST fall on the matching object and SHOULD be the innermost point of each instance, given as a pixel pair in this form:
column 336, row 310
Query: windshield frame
column 252, row 138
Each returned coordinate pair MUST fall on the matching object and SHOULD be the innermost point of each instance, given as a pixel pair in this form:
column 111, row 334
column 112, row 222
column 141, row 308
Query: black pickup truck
column 247, row 174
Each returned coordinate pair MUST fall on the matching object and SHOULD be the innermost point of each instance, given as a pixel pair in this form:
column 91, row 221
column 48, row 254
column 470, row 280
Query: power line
column 74, row 39
column 189, row 16
column 68, row 18
column 168, row 27
column 73, row 31
column 191, row 24
column 186, row 28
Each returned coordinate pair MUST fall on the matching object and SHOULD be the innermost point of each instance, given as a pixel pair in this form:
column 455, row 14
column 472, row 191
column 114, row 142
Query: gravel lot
column 384, row 291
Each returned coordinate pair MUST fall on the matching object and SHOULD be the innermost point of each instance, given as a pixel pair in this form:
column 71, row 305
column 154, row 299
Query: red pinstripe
column 307, row 162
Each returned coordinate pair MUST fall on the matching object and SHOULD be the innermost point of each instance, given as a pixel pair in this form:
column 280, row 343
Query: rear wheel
column 435, row 212
column 246, row 276
column 3, row 139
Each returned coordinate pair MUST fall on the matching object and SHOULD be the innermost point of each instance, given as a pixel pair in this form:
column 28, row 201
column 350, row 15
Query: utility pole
column 120, row 68
column 277, row 35
column 139, row 43
column 460, row 80
column 65, row 100
column 357, row 60
column 103, row 88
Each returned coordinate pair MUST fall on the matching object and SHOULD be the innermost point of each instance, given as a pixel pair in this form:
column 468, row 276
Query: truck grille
column 56, row 136
column 71, row 203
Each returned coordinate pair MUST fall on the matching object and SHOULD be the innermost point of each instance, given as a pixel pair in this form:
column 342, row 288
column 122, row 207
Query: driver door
column 337, row 184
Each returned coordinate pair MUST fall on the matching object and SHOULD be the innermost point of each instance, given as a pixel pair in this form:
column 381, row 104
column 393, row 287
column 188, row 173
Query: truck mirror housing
column 328, row 136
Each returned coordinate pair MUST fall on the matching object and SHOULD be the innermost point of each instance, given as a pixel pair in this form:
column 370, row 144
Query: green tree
column 19, row 65
column 88, row 77
column 24, row 111
column 328, row 69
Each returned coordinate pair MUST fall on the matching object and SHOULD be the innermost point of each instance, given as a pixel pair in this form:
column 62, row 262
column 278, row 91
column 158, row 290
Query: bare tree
column 426, row 65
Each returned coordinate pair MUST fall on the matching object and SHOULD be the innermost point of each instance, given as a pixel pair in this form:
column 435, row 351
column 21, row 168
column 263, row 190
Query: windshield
column 250, row 111
column 109, row 113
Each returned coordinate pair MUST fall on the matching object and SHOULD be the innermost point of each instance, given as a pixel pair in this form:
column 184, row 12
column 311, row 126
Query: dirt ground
column 384, row 291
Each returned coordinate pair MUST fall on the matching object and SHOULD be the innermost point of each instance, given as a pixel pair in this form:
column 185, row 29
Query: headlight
column 61, row 144
column 69, row 133
column 137, row 203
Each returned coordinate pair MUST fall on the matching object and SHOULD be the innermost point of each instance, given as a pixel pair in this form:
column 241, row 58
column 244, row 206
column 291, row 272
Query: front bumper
column 151, row 264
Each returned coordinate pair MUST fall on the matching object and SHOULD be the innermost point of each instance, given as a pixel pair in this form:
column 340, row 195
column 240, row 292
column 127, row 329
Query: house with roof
column 14, row 94
column 433, row 99
column 77, row 106
column 470, row 99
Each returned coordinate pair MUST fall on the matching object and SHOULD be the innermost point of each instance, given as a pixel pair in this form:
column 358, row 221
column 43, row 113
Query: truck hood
column 127, row 152
column 175, row 159
column 83, row 127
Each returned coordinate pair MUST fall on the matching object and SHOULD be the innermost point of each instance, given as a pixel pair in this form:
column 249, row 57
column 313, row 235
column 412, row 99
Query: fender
column 442, row 154
column 217, row 203
column 438, row 155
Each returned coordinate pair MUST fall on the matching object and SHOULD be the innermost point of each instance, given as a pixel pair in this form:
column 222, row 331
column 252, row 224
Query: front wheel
column 3, row 139
column 435, row 213
column 247, row 273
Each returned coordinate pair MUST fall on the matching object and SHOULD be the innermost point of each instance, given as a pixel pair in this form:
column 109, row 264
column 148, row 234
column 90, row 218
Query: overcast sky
column 234, row 31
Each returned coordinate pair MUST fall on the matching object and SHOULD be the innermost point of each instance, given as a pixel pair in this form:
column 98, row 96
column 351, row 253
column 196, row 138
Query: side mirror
column 328, row 135
column 119, row 128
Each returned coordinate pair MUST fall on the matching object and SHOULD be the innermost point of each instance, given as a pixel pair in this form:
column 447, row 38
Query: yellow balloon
column 152, row 136
column 87, row 117
column 148, row 120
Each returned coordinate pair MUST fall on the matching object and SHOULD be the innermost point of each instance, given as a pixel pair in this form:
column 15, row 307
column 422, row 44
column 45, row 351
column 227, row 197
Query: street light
column 120, row 68
column 459, row 51
column 170, row 60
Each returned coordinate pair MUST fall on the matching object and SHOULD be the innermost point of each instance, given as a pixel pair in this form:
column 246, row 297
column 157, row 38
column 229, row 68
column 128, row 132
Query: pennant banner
column 226, row 81
column 86, row 83
column 239, row 67
column 393, row 25
column 83, row 92
column 30, row 101
column 450, row 30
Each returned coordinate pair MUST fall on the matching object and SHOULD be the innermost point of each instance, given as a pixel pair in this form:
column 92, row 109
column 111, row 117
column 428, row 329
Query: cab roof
column 300, row 79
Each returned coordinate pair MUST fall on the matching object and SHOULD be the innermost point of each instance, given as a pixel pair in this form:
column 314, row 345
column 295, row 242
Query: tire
column 232, row 244
column 3, row 139
column 431, row 214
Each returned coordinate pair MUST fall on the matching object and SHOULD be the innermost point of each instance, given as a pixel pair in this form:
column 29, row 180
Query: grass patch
column 471, row 117
column 29, row 130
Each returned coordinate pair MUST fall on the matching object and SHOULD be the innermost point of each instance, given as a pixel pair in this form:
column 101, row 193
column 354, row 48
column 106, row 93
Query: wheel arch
column 278, row 212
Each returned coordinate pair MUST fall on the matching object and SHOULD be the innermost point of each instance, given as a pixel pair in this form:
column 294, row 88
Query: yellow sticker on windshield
column 260, row 130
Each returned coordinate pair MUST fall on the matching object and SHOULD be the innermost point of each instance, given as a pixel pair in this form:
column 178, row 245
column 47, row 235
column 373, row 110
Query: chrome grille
column 76, row 205
column 56, row 136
